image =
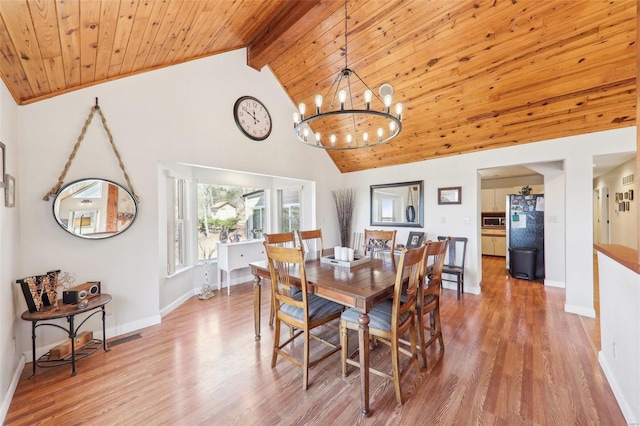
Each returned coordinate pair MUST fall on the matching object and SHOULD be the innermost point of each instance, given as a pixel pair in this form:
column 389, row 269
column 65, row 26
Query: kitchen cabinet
column 494, row 242
column 495, row 200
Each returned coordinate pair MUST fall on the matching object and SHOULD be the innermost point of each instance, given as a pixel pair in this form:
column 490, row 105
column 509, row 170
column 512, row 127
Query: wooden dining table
column 360, row 287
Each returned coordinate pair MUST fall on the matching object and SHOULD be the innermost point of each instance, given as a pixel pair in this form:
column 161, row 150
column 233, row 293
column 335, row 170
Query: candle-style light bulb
column 368, row 95
column 302, row 108
column 332, row 138
column 365, row 137
column 349, row 140
column 399, row 111
column 318, row 104
column 387, row 103
column 380, row 131
column 296, row 118
column 305, row 134
column 342, row 96
column 317, row 138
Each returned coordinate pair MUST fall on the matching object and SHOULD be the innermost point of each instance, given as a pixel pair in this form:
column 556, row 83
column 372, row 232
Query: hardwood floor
column 513, row 356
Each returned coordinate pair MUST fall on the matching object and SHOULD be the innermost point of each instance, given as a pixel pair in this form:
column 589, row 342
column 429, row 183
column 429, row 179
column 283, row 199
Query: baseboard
column 579, row 310
column 131, row 326
column 627, row 412
column 467, row 289
column 234, row 281
column 12, row 389
column 551, row 283
column 176, row 303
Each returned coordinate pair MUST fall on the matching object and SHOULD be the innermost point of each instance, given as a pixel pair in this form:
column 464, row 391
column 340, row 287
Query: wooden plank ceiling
column 473, row 75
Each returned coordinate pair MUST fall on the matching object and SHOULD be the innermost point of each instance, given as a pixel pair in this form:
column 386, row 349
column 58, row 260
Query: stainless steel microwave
column 493, row 221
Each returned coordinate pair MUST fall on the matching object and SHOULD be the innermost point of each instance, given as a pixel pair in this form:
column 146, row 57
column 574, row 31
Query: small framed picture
column 415, row 239
column 452, row 195
column 3, row 163
column 626, row 206
column 9, row 191
column 621, row 207
column 626, row 195
column 631, row 195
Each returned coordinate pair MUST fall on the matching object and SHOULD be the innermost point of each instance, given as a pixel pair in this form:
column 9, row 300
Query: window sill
column 179, row 272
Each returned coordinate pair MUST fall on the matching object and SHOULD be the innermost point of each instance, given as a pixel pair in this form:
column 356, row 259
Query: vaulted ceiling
column 473, row 75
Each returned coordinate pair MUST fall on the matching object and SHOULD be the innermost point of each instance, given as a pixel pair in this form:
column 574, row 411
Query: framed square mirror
column 397, row 204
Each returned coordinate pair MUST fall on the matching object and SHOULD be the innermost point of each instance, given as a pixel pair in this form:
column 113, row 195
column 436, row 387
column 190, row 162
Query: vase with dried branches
column 206, row 292
column 345, row 201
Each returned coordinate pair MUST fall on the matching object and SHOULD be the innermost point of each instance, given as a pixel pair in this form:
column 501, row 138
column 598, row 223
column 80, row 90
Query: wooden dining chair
column 301, row 311
column 376, row 241
column 281, row 239
column 311, row 242
column 428, row 300
column 391, row 319
column 454, row 264
column 357, row 242
column 415, row 239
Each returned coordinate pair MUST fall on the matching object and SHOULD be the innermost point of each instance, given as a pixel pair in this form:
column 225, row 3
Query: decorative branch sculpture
column 345, row 201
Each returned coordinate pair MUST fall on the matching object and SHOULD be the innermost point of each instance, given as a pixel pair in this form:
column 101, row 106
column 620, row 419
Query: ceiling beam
column 280, row 33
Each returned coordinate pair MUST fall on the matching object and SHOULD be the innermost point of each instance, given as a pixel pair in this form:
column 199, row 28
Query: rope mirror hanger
column 56, row 188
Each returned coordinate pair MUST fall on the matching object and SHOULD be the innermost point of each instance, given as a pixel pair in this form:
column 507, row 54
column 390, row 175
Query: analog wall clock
column 252, row 118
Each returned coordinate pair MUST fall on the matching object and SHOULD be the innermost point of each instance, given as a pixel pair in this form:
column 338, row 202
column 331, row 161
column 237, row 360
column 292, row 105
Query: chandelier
column 344, row 126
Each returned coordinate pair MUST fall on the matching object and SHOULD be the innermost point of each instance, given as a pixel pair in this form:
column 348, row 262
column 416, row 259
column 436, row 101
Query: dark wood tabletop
column 65, row 310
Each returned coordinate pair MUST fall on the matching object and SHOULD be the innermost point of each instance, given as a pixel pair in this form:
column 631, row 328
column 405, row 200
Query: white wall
column 568, row 195
column 181, row 114
column 10, row 357
column 620, row 333
column 623, row 225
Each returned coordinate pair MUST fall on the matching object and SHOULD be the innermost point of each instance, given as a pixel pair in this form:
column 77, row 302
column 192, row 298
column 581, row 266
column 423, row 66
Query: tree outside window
column 222, row 217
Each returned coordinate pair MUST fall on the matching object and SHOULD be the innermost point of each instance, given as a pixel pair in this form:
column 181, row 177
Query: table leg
column 363, row 343
column 257, row 298
column 104, row 331
column 33, row 346
column 72, row 336
column 228, row 283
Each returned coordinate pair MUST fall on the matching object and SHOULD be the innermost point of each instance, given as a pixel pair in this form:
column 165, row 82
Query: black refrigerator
column 525, row 236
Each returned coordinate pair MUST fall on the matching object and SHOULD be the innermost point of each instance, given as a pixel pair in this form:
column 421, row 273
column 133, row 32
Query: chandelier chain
column 346, row 56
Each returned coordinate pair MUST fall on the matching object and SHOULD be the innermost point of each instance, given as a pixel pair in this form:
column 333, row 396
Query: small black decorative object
column 252, row 118
column 526, row 190
column 410, row 211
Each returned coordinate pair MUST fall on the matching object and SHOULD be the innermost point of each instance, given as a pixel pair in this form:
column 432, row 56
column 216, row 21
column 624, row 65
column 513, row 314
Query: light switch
column 467, row 220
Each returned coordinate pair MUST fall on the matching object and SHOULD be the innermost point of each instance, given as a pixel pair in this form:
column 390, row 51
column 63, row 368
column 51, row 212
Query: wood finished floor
column 513, row 356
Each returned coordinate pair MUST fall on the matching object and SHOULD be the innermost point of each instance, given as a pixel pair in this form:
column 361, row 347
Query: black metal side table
column 69, row 312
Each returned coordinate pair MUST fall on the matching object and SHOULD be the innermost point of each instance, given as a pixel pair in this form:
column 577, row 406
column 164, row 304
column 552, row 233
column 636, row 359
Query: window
column 228, row 213
column 255, row 212
column 177, row 214
column 289, row 209
column 179, row 231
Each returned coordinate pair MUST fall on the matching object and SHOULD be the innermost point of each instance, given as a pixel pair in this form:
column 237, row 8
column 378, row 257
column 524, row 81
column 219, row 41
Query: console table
column 238, row 255
column 69, row 312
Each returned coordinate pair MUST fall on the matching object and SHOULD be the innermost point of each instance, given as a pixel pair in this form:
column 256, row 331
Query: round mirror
column 94, row 208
